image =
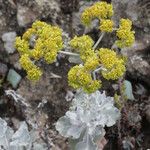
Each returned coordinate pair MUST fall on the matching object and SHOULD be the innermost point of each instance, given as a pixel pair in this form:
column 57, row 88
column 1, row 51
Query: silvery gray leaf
column 86, row 144
column 3, row 127
column 67, row 129
column 21, row 136
column 90, row 113
column 41, row 146
column 5, row 134
column 128, row 90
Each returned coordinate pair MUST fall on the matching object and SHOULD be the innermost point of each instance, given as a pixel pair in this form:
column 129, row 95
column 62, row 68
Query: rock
column 3, row 70
column 25, row 15
column 138, row 64
column 14, row 60
column 138, row 11
column 49, row 8
column 2, row 23
column 76, row 20
column 9, row 39
column 147, row 111
column 13, row 78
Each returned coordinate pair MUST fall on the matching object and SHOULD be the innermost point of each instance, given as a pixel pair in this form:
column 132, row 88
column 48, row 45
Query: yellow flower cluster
column 124, row 33
column 100, row 10
column 22, row 46
column 113, row 66
column 83, row 45
column 33, row 72
column 106, row 25
column 46, row 42
column 79, row 77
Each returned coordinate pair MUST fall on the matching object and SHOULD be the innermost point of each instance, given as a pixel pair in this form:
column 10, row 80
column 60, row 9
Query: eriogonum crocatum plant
column 91, row 110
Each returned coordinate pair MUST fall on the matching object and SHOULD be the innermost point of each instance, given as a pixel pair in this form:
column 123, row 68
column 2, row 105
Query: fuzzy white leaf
column 21, row 136
column 86, row 144
column 5, row 134
column 90, row 113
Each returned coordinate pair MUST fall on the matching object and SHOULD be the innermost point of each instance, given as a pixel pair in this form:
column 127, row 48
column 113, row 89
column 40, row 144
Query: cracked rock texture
column 139, row 54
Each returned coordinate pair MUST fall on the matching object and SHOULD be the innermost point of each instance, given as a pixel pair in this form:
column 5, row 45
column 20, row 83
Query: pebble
column 3, row 70
column 25, row 16
column 13, row 78
column 9, row 39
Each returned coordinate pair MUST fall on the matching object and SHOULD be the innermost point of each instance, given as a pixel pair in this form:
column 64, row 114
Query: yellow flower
column 124, row 33
column 110, row 10
column 91, row 63
column 27, row 35
column 126, row 24
column 107, row 57
column 34, row 74
column 72, row 77
column 39, row 24
column 78, row 77
column 113, row 65
column 100, row 10
column 87, row 53
column 93, row 86
column 126, row 38
column 22, row 46
column 106, row 25
column 116, row 72
column 87, row 16
column 50, row 57
column 82, row 43
column 48, row 42
column 38, row 51
column 25, row 62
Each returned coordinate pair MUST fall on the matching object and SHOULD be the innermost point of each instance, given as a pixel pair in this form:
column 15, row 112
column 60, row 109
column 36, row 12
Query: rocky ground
column 44, row 102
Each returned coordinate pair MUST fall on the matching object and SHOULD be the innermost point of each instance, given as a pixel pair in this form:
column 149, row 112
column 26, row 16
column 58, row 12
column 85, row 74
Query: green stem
column 99, row 40
column 68, row 53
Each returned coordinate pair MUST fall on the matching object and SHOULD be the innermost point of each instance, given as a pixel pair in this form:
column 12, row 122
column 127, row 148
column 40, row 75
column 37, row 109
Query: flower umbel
column 79, row 77
column 100, row 10
column 46, row 42
column 124, row 33
column 106, row 25
column 113, row 66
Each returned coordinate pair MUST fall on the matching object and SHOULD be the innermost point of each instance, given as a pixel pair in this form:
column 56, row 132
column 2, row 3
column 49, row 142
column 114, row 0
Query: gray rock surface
column 25, row 16
column 147, row 112
column 138, row 11
column 9, row 39
column 3, row 70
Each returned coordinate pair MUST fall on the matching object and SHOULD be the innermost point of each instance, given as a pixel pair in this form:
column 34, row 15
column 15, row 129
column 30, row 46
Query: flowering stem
column 98, row 69
column 100, row 38
column 94, row 72
column 68, row 53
